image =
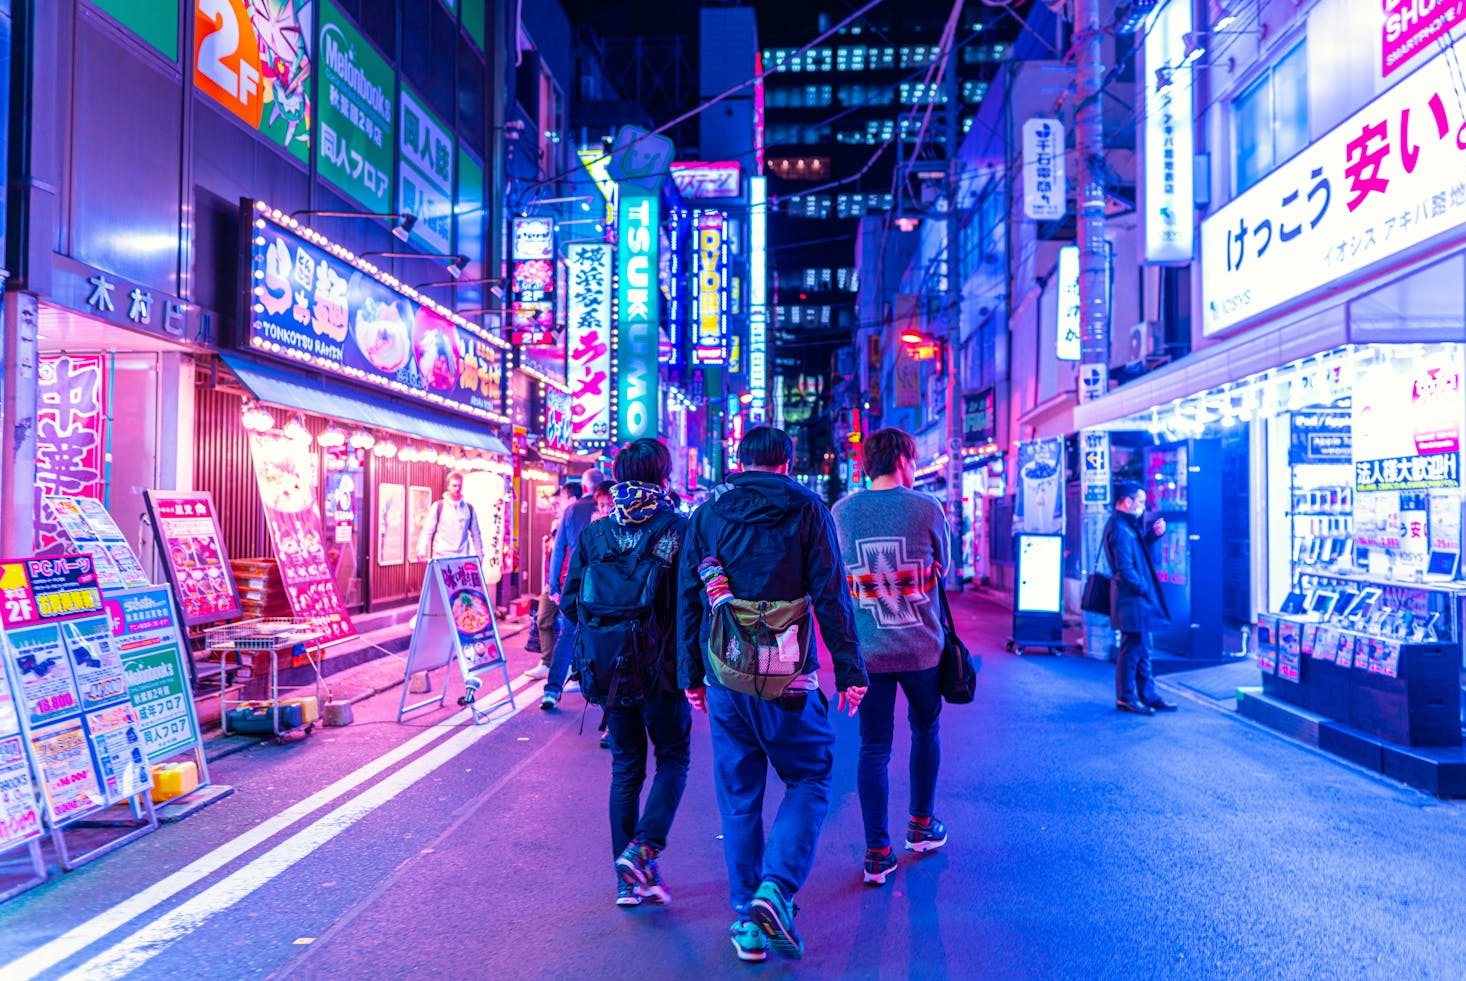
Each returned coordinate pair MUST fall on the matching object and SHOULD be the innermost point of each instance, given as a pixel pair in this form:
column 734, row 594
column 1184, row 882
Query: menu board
column 471, row 612
column 311, row 305
column 146, row 633
column 20, row 818
column 91, row 531
column 68, row 775
column 288, row 495
column 193, row 551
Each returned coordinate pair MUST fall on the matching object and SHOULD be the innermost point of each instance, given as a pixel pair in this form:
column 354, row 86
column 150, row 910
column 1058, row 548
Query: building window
column 1270, row 118
column 973, row 92
column 913, row 93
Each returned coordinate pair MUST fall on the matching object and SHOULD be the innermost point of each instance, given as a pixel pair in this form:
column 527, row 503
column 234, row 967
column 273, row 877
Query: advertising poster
column 1040, row 505
column 254, row 59
column 472, row 614
column 315, row 307
column 557, row 421
column 91, row 530
column 47, row 690
column 193, row 549
column 357, row 113
column 117, row 748
column 288, row 496
column 588, row 308
column 489, row 494
column 95, row 662
column 68, row 775
column 146, row 635
column 419, row 503
column 532, row 282
column 20, row 819
column 71, row 434
column 391, row 524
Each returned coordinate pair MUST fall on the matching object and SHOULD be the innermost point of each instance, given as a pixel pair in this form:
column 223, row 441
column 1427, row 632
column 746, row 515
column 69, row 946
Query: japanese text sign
column 193, row 550
column 1043, row 169
column 1411, row 25
column 472, row 614
column 354, row 151
column 638, row 383
column 254, row 59
column 1066, row 342
column 90, row 530
column 44, row 590
column 589, row 328
column 312, row 305
column 1399, row 167
column 425, row 180
column 1169, row 137
column 710, row 297
column 557, row 421
column 758, row 320
column 707, row 180
column 532, row 283
column 152, row 653
column 71, row 434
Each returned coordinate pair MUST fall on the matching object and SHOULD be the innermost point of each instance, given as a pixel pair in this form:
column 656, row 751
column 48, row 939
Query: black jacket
column 1135, row 591
column 603, row 536
column 776, row 541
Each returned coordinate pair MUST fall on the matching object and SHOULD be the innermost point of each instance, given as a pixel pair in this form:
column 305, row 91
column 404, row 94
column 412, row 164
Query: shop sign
column 146, row 632
column 313, row 305
column 118, row 301
column 707, row 180
column 356, row 112
column 254, row 59
column 1040, row 505
column 532, row 283
column 194, row 555
column 86, row 527
column 1320, row 436
column 675, row 281
column 977, row 418
column 425, row 178
column 873, row 368
column 1068, row 311
column 710, row 297
column 692, row 471
column 1410, row 27
column 557, row 421
column 638, row 297
column 588, row 307
column 1408, row 473
column 1044, row 187
column 71, row 435
column 1169, row 137
column 1094, row 466
column 288, row 496
column 758, row 316
column 1388, row 179
column 46, row 590
column 639, row 161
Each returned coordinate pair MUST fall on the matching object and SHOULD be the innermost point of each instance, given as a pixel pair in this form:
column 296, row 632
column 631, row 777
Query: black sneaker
column 774, row 913
column 925, row 837
column 626, row 895
column 878, row 865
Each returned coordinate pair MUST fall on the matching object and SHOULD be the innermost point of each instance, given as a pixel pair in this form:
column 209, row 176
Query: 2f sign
column 226, row 62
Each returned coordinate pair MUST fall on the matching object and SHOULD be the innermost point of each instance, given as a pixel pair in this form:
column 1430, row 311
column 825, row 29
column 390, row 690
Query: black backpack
column 620, row 644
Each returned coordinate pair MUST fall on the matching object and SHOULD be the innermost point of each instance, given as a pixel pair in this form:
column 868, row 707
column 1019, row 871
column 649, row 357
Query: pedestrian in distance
column 895, row 545
column 621, row 591
column 758, row 558
column 1135, row 597
column 547, row 632
column 576, row 517
column 452, row 529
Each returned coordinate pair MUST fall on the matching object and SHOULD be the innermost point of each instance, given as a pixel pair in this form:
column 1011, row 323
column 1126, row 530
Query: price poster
column 118, row 750
column 67, row 774
column 74, row 529
column 20, row 818
column 147, row 636
column 46, row 688
column 193, row 550
column 92, row 531
column 95, row 663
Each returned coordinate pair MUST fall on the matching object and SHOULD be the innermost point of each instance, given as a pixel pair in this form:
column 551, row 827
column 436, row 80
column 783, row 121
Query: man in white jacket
column 452, row 528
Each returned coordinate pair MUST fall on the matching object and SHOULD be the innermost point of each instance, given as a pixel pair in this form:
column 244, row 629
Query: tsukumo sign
column 637, row 381
column 1389, row 179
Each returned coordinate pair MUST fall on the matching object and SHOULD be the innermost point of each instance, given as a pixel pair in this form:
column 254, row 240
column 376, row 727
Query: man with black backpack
column 758, row 559
column 621, row 590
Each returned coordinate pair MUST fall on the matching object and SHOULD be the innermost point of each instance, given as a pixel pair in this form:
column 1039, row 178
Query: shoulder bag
column 957, row 670
column 1096, row 596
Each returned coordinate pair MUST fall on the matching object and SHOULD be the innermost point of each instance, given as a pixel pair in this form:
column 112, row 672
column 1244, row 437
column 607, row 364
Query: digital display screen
column 1040, row 574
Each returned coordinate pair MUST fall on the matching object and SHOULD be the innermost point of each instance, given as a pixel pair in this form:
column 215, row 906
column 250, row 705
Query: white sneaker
column 538, row 671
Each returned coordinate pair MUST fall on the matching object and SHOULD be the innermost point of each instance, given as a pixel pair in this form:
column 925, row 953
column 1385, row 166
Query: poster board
column 456, row 623
column 391, row 524
column 1038, row 602
column 70, row 695
column 287, row 485
column 419, row 503
column 86, row 526
column 187, row 532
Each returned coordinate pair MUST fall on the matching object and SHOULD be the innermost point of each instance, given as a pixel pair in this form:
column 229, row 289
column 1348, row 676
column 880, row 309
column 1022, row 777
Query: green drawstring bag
column 758, row 647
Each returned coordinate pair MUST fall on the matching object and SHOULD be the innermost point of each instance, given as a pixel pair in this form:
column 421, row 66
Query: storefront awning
column 280, row 386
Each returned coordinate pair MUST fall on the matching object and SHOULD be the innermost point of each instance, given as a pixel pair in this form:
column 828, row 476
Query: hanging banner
column 710, row 293
column 254, row 59
column 557, row 421
column 638, row 382
column 1066, row 342
column 145, row 631
column 696, row 180
column 908, row 378
column 357, row 113
column 978, row 418
column 85, row 524
column 590, row 342
column 71, row 434
column 455, row 622
column 1168, row 137
column 1040, row 505
column 532, row 283
column 188, row 535
column 288, row 496
column 1044, row 187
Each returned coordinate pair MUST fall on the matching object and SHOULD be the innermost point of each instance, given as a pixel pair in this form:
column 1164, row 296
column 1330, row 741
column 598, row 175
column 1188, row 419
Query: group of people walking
column 664, row 615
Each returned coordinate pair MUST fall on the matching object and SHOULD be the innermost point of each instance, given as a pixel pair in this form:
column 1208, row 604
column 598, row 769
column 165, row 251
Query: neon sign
column 638, row 299
column 710, row 293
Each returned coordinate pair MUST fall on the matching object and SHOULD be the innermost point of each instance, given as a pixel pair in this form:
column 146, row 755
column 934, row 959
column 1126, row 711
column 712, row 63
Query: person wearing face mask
column 1135, row 595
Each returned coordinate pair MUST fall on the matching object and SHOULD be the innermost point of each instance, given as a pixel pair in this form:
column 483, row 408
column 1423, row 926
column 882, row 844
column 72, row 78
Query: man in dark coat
column 1135, row 593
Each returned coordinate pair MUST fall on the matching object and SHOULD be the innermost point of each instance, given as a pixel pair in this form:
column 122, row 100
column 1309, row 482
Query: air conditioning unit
column 1139, row 342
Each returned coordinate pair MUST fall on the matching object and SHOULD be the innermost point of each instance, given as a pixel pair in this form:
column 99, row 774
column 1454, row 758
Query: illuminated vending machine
column 1184, row 486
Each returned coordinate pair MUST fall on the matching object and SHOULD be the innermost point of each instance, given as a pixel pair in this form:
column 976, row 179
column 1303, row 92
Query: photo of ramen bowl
column 383, row 334
column 470, row 612
column 435, row 345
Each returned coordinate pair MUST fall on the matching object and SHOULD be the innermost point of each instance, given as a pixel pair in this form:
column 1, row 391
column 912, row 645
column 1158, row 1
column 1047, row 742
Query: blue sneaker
column 878, row 865
column 748, row 941
column 925, row 837
column 774, row 914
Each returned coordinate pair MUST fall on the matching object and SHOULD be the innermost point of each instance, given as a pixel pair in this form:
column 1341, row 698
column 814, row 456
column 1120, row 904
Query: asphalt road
column 1084, row 844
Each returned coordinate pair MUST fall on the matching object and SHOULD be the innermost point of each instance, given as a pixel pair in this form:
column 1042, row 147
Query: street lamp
column 455, row 262
column 402, row 223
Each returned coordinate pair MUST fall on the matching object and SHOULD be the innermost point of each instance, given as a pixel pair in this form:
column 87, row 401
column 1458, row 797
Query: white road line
column 128, row 955
column 85, row 934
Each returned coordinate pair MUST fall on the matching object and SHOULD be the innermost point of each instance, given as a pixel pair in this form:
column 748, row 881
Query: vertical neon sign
column 637, row 383
column 758, row 318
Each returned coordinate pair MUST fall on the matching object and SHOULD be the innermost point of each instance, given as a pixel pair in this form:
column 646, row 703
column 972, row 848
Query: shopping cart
column 260, row 644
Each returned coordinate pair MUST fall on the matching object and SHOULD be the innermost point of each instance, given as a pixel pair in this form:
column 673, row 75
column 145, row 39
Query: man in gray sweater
column 895, row 546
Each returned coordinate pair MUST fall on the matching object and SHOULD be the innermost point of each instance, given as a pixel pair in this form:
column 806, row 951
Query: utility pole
column 953, row 90
column 1089, row 149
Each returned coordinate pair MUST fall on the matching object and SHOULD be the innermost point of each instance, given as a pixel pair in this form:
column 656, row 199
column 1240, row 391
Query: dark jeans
column 877, row 731
column 665, row 719
column 749, row 735
column 548, row 629
column 1133, row 678
column 564, row 654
